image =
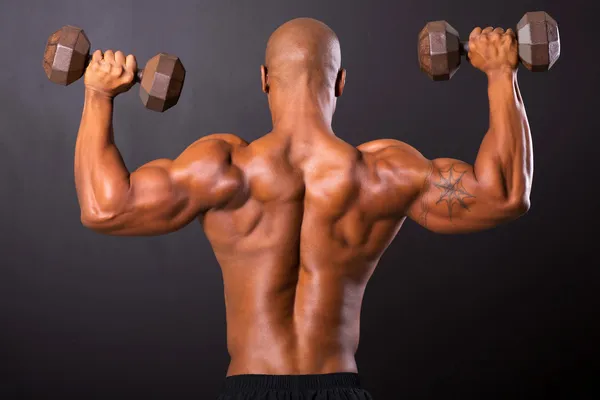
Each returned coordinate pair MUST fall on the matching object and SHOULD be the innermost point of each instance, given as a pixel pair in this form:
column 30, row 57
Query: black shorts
column 342, row 386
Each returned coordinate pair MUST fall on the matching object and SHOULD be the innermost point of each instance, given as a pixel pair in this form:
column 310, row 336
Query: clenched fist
column 493, row 50
column 110, row 73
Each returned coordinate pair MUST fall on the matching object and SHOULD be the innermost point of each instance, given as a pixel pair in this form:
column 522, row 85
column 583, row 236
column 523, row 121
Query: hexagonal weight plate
column 162, row 82
column 66, row 55
column 439, row 50
column 539, row 41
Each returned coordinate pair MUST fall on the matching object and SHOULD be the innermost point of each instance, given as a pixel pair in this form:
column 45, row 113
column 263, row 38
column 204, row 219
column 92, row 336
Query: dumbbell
column 67, row 55
column 440, row 48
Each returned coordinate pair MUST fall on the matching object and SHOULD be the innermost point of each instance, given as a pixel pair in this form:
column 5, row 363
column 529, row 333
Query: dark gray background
column 509, row 313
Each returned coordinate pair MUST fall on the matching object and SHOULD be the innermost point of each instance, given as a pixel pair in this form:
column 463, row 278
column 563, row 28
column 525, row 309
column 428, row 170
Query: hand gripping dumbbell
column 440, row 48
column 67, row 55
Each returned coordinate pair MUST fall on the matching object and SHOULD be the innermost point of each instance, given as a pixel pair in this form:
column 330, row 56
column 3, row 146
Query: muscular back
column 297, row 226
column 297, row 246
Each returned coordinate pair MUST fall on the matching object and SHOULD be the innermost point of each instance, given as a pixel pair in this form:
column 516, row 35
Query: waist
column 256, row 336
column 291, row 363
column 249, row 382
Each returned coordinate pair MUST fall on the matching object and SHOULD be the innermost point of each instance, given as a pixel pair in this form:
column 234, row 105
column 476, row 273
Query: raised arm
column 450, row 196
column 161, row 196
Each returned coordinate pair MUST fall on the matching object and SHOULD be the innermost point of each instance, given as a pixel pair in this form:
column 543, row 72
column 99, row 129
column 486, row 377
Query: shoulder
column 218, row 142
column 228, row 138
column 215, row 146
column 392, row 152
column 380, row 144
column 210, row 153
column 395, row 164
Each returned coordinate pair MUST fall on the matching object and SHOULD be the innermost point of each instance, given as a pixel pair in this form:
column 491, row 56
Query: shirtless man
column 299, row 219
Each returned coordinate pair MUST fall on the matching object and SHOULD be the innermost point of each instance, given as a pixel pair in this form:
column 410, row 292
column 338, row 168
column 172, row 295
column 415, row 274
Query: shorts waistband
column 292, row 382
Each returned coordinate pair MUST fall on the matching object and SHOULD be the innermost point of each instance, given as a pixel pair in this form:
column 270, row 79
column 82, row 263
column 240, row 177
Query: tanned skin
column 299, row 219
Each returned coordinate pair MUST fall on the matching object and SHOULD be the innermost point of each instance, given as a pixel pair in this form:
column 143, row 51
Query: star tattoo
column 453, row 191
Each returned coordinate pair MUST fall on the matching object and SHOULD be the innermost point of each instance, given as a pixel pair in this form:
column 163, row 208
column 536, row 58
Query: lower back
column 310, row 327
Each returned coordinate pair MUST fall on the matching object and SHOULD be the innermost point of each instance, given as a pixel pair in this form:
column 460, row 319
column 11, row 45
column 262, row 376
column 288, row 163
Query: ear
column 340, row 82
column 264, row 78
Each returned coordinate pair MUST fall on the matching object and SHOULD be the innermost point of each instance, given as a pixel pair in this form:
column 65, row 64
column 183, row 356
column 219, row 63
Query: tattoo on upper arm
column 452, row 189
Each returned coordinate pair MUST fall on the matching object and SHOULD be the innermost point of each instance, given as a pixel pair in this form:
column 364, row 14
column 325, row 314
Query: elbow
column 518, row 206
column 97, row 220
column 101, row 213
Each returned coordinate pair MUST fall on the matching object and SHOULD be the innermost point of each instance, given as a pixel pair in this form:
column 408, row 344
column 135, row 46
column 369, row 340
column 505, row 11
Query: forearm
column 504, row 164
column 101, row 178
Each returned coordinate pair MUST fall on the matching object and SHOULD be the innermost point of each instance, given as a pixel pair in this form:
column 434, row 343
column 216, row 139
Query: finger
column 474, row 33
column 120, row 58
column 510, row 33
column 97, row 56
column 495, row 35
column 487, row 30
column 131, row 63
column 499, row 31
column 109, row 56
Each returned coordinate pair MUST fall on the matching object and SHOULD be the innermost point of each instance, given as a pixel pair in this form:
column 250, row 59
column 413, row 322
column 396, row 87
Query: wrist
column 97, row 95
column 502, row 74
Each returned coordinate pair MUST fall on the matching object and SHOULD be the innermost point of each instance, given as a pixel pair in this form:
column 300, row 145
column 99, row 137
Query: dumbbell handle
column 136, row 79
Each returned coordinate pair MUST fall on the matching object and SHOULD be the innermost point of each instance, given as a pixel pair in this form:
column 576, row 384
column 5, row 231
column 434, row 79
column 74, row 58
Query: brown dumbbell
column 440, row 48
column 67, row 55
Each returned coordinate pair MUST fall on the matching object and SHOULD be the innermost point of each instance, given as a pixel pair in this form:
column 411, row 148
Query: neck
column 302, row 110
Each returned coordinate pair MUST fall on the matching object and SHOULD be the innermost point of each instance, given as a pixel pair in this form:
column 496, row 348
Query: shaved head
column 303, row 49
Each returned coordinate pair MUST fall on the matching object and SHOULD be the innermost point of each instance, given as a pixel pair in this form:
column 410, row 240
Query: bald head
column 303, row 48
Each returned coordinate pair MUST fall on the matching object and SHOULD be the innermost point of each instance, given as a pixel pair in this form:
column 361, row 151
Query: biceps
column 452, row 200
